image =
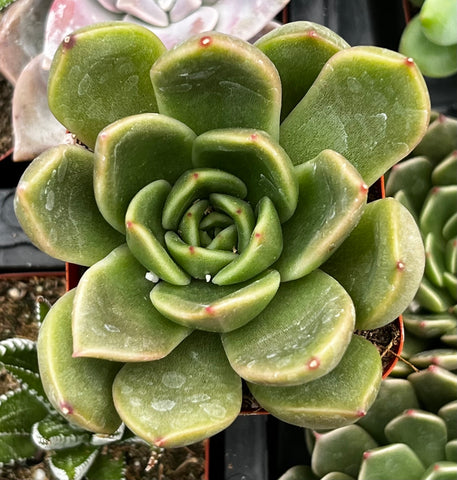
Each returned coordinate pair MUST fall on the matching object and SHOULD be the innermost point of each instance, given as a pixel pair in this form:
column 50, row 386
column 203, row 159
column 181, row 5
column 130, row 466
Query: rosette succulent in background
column 31, row 30
column 426, row 183
column 220, row 206
column 431, row 38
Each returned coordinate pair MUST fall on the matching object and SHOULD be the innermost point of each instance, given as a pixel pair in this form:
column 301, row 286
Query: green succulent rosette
column 227, row 238
column 426, row 183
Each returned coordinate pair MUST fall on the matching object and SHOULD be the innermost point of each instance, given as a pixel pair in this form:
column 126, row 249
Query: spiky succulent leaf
column 118, row 284
column 78, row 388
column 386, row 231
column 203, row 81
column 15, row 446
column 54, row 433
column 72, row 463
column 189, row 395
column 354, row 107
column 339, row 398
column 313, row 318
column 101, row 74
column 299, row 51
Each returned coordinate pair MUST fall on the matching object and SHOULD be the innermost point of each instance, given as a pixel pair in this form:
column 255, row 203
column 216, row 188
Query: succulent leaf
column 107, row 467
column 448, row 413
column 439, row 206
column 341, row 450
column 54, row 432
column 189, row 395
column 386, row 231
column 254, row 157
column 78, row 388
column 203, row 81
column 72, row 463
column 434, row 60
column 65, row 229
column 440, row 471
column 451, row 451
column 445, row 173
column 118, row 284
column 306, row 314
column 396, row 457
column 299, row 51
column 431, row 325
column 422, row 431
column 215, row 308
column 334, row 115
column 264, row 248
column 434, row 387
column 91, row 86
column 133, row 152
column 332, row 197
column 339, row 398
column 299, row 472
column 145, row 234
column 437, row 19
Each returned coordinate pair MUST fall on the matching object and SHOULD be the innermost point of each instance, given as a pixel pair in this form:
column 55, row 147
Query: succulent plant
column 409, row 432
column 426, row 183
column 222, row 243
column 431, row 38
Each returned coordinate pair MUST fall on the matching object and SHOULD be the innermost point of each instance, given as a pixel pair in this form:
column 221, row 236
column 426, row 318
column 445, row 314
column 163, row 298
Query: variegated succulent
column 220, row 204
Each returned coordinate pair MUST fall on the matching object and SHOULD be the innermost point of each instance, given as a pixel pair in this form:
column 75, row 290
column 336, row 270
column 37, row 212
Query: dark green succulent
column 221, row 207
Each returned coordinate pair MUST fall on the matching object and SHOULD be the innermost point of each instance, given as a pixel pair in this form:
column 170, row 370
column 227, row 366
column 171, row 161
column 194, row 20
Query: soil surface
column 18, row 318
column 6, row 95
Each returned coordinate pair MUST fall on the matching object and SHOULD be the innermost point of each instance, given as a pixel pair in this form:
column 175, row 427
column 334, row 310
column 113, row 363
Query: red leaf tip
column 206, row 41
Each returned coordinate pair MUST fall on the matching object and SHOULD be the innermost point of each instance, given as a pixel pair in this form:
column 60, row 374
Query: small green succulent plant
column 221, row 207
column 409, row 433
column 426, row 183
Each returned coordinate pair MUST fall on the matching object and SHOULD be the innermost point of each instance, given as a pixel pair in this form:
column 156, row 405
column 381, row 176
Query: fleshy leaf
column 54, row 432
column 189, row 226
column 299, row 472
column 72, row 463
column 197, row 261
column 357, row 107
column 394, row 397
column 133, row 152
column 78, row 388
column 433, row 298
column 73, row 231
column 381, row 263
column 440, row 471
column 431, row 325
column 189, row 395
column 424, row 432
column 203, row 81
column 411, row 176
column 397, row 457
column 438, row 207
column 329, row 446
column 264, row 247
column 256, row 159
column 299, row 51
column 448, row 413
column 434, row 60
column 445, row 173
column 331, row 201
column 145, row 235
column 313, row 321
column 196, row 184
column 100, row 74
column 107, row 467
column 434, row 387
column 215, row 308
column 434, row 259
column 339, row 398
column 113, row 317
column 438, row 23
